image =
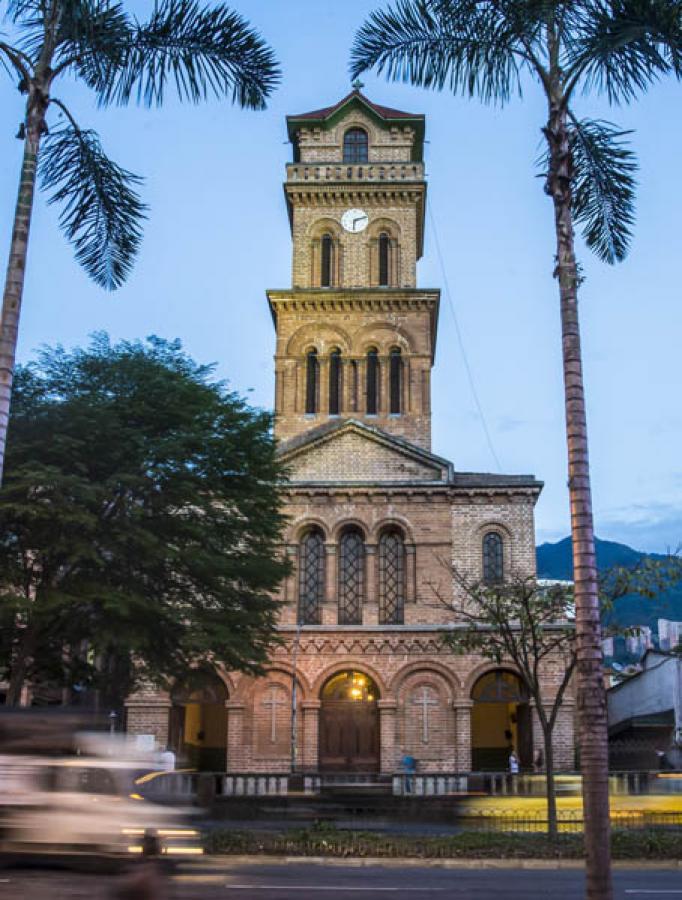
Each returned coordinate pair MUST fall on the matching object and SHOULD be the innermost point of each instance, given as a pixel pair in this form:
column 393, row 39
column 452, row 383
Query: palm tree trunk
column 16, row 269
column 591, row 692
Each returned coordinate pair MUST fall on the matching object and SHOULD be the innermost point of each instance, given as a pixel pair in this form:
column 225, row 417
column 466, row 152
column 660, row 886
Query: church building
column 376, row 519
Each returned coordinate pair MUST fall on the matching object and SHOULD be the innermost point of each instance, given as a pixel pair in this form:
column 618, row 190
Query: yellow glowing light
column 134, row 849
column 132, row 830
column 177, row 832
column 136, row 796
column 370, row 697
column 356, row 692
column 184, row 851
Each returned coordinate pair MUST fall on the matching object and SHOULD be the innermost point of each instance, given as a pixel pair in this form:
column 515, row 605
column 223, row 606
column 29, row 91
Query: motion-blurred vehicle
column 86, row 803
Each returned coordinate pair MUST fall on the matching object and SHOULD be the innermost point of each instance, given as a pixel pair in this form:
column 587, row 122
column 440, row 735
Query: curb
column 414, row 862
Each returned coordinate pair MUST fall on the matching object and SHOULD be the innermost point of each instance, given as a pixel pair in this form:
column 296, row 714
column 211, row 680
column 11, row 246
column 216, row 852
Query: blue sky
column 218, row 236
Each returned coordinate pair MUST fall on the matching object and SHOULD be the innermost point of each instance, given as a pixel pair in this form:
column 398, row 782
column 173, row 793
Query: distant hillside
column 556, row 561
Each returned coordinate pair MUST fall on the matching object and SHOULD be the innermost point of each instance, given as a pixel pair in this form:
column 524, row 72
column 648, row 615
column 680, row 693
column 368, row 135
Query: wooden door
column 349, row 736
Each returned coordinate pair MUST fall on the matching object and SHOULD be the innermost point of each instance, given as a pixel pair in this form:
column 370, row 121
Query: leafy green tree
column 184, row 47
column 489, row 49
column 139, row 519
column 530, row 624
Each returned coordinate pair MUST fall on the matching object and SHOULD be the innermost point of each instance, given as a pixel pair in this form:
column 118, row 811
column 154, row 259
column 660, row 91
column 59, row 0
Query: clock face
column 355, row 220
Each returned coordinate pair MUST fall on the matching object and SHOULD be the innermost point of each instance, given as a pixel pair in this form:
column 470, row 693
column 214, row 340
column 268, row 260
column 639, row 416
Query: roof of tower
column 385, row 113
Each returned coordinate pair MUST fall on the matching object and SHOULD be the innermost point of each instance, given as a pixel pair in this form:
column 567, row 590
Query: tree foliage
column 190, row 50
column 139, row 520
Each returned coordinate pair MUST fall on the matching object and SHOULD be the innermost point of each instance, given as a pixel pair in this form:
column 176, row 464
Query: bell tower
column 355, row 336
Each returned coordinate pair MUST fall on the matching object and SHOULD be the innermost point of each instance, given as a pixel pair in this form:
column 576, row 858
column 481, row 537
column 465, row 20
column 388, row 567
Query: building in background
column 668, row 634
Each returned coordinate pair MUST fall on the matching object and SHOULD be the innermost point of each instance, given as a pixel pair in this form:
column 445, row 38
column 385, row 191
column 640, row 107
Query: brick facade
column 372, row 472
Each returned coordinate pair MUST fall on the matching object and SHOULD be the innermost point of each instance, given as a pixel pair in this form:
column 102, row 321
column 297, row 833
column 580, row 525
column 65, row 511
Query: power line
column 451, row 305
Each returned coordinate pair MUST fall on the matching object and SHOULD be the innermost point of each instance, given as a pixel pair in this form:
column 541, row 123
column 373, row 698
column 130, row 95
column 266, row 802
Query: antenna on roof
column 357, row 84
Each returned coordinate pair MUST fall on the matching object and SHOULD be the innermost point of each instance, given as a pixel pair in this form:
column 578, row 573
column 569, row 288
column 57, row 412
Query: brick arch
column 357, row 665
column 295, row 532
column 249, row 686
column 483, row 669
column 357, row 121
column 397, row 521
column 350, row 522
column 383, row 223
column 217, row 670
column 428, row 667
column 371, row 336
column 324, row 337
column 321, row 226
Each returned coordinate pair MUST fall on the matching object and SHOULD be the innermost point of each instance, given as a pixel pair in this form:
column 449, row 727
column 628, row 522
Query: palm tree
column 195, row 51
column 487, row 49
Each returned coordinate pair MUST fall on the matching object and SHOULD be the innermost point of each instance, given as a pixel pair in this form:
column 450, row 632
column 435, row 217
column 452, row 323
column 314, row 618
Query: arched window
column 355, row 146
column 396, row 381
column 311, row 565
column 327, row 261
column 493, row 558
column 311, row 382
column 335, row 383
column 351, row 577
column 372, row 382
column 384, row 259
column 391, row 578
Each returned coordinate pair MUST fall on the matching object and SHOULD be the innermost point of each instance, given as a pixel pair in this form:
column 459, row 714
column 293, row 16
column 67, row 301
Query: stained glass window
column 391, row 578
column 493, row 558
column 355, row 146
column 311, row 565
column 351, row 577
column 372, row 382
column 384, row 255
column 311, row 386
column 396, row 379
column 327, row 261
column 335, row 383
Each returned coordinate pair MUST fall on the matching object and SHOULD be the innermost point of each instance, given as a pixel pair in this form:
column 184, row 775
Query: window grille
column 372, row 382
column 351, row 577
column 311, row 384
column 391, row 578
column 384, row 259
column 335, row 383
column 493, row 558
column 355, row 146
column 311, row 565
column 396, row 381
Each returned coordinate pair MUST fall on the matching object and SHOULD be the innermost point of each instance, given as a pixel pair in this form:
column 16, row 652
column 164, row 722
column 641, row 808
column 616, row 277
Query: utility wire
column 451, row 305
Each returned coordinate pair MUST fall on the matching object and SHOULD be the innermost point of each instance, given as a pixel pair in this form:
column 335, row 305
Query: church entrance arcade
column 500, row 722
column 197, row 729
column 349, row 724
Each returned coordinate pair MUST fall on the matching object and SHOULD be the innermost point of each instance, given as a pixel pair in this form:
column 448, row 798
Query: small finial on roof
column 357, row 85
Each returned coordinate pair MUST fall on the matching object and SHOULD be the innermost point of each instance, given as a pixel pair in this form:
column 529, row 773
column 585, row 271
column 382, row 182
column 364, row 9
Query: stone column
column 324, row 386
column 387, row 735
column 330, row 614
column 309, row 751
column 370, row 611
column 237, row 753
column 463, row 734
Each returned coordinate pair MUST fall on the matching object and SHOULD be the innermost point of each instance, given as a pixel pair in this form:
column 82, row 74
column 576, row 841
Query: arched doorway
column 500, row 721
column 349, row 724
column 197, row 731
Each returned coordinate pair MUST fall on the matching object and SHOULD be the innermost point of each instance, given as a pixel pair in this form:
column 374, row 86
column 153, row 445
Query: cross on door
column 273, row 703
column 425, row 701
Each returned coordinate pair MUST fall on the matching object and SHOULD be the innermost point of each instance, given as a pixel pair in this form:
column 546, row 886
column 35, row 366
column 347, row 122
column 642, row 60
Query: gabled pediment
column 350, row 452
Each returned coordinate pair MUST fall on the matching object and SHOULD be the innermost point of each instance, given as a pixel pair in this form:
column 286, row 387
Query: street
column 296, row 881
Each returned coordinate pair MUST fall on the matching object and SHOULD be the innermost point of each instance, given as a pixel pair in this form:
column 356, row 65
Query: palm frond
column 198, row 51
column 624, row 45
column 102, row 213
column 474, row 48
column 603, row 187
column 92, row 35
